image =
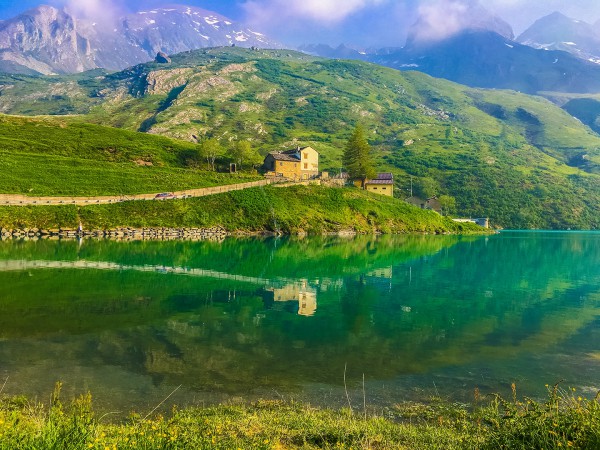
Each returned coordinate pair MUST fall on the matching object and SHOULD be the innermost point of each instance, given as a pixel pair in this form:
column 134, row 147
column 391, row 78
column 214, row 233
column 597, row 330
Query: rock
column 162, row 58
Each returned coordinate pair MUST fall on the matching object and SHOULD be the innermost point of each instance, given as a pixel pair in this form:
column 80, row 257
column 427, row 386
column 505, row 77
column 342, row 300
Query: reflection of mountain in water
column 243, row 315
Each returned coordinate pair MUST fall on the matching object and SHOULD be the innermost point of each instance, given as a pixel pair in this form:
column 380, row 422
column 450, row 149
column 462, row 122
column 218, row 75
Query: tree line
column 210, row 151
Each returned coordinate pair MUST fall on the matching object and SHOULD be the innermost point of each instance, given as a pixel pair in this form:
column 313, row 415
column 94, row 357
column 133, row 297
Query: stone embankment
column 127, row 234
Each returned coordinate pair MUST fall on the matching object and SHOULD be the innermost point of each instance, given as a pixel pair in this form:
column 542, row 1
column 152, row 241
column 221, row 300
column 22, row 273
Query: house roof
column 292, row 155
column 281, row 156
column 382, row 178
column 294, row 151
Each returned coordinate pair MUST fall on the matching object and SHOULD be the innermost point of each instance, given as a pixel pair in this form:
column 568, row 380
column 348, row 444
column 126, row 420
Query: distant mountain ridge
column 559, row 32
column 48, row 40
column 481, row 58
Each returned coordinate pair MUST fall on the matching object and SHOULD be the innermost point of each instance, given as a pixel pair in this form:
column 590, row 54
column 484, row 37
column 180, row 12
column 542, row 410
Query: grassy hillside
column 513, row 157
column 53, row 157
column 311, row 209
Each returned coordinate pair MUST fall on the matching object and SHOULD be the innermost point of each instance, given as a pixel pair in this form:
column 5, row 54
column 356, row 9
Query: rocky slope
column 48, row 40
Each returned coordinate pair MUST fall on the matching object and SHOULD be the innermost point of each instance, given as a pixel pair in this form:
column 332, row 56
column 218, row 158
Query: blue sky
column 356, row 22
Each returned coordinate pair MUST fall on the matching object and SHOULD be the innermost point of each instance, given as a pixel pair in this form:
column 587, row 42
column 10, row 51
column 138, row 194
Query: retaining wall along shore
column 192, row 234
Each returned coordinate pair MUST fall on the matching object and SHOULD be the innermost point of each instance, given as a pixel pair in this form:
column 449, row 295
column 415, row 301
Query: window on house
column 281, row 164
column 305, row 165
column 306, row 156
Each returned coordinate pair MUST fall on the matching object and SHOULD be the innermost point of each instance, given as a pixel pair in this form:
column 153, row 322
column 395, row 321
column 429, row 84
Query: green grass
column 52, row 157
column 49, row 175
column 311, row 209
column 563, row 421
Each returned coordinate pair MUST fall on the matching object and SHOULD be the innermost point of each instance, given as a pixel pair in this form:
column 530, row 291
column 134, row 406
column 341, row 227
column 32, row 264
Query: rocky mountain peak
column 50, row 40
column 46, row 40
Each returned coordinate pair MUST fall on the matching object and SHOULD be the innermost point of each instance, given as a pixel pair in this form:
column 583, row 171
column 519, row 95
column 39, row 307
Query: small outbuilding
column 432, row 203
column 383, row 184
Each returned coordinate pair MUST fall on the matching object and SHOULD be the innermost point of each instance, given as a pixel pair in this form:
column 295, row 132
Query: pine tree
column 357, row 156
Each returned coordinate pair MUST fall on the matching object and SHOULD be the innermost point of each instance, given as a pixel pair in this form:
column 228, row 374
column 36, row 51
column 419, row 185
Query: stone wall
column 162, row 234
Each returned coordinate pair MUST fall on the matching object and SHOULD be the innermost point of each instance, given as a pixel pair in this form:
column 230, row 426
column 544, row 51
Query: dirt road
column 23, row 200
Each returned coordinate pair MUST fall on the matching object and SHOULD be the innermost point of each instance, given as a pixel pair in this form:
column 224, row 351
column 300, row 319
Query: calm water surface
column 282, row 318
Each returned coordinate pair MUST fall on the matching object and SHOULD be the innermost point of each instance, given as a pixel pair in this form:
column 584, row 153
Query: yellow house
column 383, row 184
column 301, row 163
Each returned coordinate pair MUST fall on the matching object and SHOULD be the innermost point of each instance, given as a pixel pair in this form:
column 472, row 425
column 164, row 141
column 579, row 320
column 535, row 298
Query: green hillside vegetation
column 52, row 157
column 311, row 209
column 515, row 158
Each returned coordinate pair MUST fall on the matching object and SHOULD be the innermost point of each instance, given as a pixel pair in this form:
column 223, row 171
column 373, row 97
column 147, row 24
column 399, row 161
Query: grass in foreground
column 562, row 421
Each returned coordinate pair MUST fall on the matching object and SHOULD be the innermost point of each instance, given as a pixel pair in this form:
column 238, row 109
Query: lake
column 207, row 322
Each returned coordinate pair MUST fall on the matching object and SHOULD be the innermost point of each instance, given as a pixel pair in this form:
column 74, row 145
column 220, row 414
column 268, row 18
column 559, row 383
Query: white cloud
column 324, row 11
column 96, row 10
column 442, row 18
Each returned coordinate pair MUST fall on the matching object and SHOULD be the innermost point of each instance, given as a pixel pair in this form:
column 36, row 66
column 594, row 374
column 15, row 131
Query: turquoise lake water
column 132, row 322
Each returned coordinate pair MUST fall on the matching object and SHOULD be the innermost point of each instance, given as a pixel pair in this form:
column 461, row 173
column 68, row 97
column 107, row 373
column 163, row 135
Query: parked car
column 164, row 195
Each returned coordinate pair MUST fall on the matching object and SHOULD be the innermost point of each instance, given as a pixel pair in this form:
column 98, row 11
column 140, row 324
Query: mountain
column 518, row 159
column 47, row 40
column 485, row 59
column 326, row 51
column 559, row 32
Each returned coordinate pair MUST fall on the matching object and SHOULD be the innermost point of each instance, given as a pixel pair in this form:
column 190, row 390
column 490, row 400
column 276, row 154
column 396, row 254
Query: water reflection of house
column 301, row 293
column 382, row 272
column 381, row 277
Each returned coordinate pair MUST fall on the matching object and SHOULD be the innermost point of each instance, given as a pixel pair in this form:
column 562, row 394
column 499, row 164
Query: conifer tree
column 357, row 156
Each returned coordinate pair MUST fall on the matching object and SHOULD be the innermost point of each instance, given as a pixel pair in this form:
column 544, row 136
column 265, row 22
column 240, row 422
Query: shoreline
column 183, row 233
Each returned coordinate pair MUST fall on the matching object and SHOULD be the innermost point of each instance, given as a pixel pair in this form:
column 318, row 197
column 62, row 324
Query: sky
column 355, row 22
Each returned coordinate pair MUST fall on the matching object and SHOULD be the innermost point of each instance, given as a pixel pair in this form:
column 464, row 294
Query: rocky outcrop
column 162, row 58
column 163, row 81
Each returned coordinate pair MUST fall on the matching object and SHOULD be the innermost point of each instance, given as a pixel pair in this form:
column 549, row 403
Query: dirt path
column 23, row 200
